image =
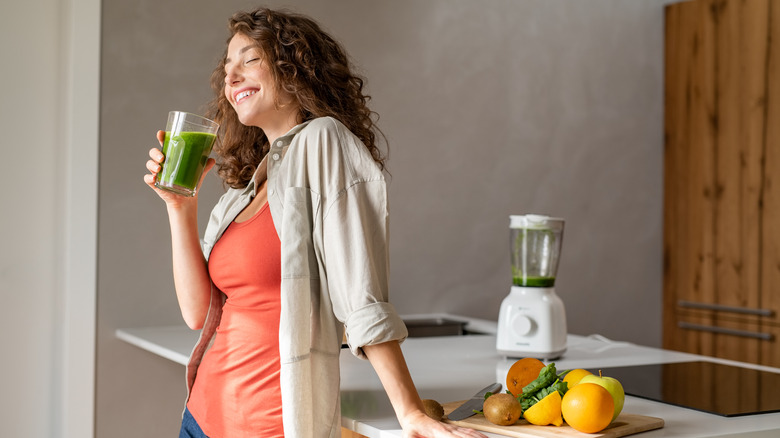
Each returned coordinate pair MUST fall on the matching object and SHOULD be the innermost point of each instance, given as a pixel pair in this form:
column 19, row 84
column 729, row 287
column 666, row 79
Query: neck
column 285, row 121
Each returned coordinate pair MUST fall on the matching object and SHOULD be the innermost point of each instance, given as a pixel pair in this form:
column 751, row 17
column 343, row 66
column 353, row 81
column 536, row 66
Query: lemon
column 546, row 411
column 573, row 377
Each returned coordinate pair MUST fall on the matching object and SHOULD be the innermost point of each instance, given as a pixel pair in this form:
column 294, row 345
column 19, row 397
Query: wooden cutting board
column 624, row 424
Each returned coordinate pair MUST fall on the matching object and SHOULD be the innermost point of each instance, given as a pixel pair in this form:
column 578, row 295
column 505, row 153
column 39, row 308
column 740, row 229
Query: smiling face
column 251, row 89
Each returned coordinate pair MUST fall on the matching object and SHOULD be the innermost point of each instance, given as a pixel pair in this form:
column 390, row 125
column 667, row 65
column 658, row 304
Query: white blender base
column 531, row 323
column 542, row 355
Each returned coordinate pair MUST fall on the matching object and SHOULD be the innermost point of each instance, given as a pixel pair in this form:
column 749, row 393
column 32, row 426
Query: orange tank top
column 237, row 391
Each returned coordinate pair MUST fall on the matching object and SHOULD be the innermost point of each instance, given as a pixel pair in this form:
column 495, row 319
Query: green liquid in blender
column 185, row 157
column 533, row 281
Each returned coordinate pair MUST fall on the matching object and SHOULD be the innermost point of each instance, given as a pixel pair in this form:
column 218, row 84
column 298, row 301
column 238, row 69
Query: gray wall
column 49, row 120
column 29, row 268
column 491, row 107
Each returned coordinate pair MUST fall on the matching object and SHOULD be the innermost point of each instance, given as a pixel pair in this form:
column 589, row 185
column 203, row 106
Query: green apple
column 612, row 386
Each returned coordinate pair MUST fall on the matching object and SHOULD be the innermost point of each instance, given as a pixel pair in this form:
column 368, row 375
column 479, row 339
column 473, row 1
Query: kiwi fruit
column 502, row 409
column 433, row 409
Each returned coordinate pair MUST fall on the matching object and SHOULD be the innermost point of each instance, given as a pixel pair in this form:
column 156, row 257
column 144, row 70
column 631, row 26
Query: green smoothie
column 185, row 156
column 533, row 281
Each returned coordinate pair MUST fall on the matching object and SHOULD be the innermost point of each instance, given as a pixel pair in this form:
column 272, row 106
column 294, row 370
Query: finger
column 156, row 155
column 465, row 432
column 149, row 180
column 161, row 137
column 209, row 164
column 153, row 166
column 472, row 433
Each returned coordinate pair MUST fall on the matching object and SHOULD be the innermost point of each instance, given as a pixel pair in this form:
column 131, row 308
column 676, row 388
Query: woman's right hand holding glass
column 154, row 165
column 190, row 275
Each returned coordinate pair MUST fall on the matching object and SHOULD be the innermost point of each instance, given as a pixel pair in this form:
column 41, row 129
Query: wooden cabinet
column 722, row 179
column 346, row 433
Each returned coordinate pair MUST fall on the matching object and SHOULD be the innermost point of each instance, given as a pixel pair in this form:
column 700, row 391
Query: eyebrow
column 243, row 49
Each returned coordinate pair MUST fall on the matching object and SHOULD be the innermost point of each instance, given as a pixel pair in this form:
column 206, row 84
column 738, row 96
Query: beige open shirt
column 328, row 199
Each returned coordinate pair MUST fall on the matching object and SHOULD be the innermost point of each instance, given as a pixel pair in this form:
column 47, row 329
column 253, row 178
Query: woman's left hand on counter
column 389, row 363
column 422, row 426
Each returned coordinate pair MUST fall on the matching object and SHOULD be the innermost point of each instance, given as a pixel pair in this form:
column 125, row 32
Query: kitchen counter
column 176, row 342
column 451, row 368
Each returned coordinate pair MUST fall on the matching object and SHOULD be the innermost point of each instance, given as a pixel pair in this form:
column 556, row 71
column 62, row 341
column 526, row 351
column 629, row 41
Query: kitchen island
column 449, row 369
column 452, row 368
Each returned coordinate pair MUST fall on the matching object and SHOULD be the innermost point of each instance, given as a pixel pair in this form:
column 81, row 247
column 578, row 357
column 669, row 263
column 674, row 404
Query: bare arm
column 190, row 274
column 389, row 363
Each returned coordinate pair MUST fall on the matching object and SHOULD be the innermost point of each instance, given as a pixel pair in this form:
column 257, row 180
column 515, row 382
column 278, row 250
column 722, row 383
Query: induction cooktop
column 720, row 389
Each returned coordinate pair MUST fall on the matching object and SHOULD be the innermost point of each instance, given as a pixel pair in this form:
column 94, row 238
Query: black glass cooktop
column 711, row 387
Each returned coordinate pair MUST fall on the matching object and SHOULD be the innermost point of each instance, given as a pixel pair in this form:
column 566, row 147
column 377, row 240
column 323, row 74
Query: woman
column 295, row 253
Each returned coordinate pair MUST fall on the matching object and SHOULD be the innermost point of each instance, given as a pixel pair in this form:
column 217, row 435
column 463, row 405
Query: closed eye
column 251, row 60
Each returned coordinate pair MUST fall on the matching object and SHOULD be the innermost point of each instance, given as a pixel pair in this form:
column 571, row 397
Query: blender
column 532, row 320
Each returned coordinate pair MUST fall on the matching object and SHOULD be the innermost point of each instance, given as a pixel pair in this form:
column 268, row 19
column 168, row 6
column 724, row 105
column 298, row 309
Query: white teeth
column 244, row 94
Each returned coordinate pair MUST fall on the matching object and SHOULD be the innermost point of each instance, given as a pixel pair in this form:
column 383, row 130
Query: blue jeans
column 189, row 427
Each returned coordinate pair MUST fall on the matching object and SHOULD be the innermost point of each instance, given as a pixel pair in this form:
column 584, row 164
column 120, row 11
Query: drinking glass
column 186, row 147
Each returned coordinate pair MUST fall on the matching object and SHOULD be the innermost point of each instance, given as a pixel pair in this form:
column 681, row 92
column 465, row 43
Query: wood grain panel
column 346, row 433
column 741, row 59
column 721, row 239
column 689, row 168
column 770, row 251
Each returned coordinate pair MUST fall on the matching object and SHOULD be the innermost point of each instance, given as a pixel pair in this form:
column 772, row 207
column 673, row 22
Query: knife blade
column 474, row 403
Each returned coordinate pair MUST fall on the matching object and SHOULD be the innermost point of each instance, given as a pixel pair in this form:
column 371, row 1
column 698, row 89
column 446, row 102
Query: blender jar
column 535, row 242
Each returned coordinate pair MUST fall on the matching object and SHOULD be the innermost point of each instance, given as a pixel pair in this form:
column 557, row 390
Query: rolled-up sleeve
column 373, row 324
column 355, row 246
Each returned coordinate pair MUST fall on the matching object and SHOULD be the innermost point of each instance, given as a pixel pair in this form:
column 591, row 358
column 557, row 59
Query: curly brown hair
column 307, row 64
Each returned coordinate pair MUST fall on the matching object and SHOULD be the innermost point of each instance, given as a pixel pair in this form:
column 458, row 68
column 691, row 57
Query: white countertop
column 176, row 342
column 453, row 368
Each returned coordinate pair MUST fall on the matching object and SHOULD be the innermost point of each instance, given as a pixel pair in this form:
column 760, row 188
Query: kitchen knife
column 475, row 403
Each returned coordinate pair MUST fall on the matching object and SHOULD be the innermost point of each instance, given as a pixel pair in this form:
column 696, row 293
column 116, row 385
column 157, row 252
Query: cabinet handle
column 726, row 331
column 722, row 308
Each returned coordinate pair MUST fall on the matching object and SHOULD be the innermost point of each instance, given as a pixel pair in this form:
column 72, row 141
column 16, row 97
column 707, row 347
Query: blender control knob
column 521, row 325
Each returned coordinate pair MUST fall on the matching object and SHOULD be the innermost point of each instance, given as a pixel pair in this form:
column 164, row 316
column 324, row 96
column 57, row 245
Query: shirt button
column 271, row 192
column 279, row 143
column 275, row 156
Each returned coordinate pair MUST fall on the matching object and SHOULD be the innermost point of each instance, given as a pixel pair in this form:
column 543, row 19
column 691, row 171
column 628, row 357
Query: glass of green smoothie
column 186, row 147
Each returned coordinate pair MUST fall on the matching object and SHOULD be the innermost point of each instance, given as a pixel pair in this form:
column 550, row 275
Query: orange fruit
column 573, row 377
column 521, row 373
column 545, row 411
column 588, row 407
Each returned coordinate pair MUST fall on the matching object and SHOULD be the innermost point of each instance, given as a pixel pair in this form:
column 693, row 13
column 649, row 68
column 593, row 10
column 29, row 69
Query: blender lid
column 535, row 222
